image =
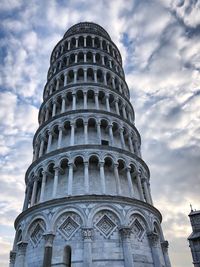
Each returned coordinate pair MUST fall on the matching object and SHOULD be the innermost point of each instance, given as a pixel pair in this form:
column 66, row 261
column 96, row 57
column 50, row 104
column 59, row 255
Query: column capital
column 49, row 131
column 116, row 164
column 121, row 129
column 60, row 127
column 101, row 163
column 153, row 238
column 96, row 93
column 144, row 180
column 12, row 256
column 49, row 237
column 87, row 233
column 63, row 96
column 125, row 231
column 22, row 245
column 165, row 245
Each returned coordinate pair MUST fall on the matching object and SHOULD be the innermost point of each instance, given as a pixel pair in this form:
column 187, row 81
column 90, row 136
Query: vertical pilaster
column 118, row 184
column 153, row 240
column 125, row 233
column 70, row 179
column 102, row 177
column 55, row 182
column 165, row 246
column 33, row 197
column 48, row 237
column 44, row 176
column 21, row 253
column 86, row 177
column 87, row 234
column 130, row 183
column 12, row 258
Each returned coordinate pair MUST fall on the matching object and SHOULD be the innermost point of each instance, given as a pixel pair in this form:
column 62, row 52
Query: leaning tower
column 87, row 200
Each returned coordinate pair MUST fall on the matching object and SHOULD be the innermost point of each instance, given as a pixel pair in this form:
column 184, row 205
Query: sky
column 160, row 46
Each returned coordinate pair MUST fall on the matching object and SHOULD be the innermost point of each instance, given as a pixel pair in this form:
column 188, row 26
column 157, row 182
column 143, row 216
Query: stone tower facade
column 194, row 238
column 88, row 200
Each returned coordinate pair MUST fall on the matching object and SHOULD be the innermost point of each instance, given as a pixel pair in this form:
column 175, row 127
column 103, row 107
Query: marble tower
column 87, row 201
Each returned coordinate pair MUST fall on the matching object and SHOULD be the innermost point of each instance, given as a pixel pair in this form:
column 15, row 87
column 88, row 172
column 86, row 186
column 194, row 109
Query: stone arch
column 70, row 76
column 90, row 74
column 80, row 74
column 40, row 218
column 62, row 215
column 102, row 207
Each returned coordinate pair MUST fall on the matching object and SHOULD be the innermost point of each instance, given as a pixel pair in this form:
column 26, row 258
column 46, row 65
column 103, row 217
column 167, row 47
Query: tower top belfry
column 87, row 200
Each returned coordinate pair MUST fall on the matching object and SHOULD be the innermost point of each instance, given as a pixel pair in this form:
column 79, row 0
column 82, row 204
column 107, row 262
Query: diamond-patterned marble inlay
column 68, row 227
column 138, row 229
column 106, row 226
column 36, row 234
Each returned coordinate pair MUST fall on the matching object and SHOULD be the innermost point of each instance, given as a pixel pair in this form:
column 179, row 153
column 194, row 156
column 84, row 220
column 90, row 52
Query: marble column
column 54, row 108
column 75, row 76
column 99, row 131
column 124, row 111
column 139, row 184
column 85, row 75
column 94, row 57
column 154, row 243
column 21, row 253
column 107, row 103
column 146, row 191
column 125, row 232
column 87, row 234
column 41, row 147
column 96, row 100
column 27, row 197
column 86, row 132
column 73, row 101
column 47, row 114
column 95, row 76
column 60, row 128
column 12, row 258
column 76, row 43
column 44, row 176
column 118, row 184
column 117, row 106
column 55, row 182
column 70, row 178
column 86, row 177
column 49, row 237
column 121, row 130
column 130, row 183
column 102, row 177
column 57, row 84
column 63, row 104
column 33, row 197
column 130, row 143
column 165, row 246
column 111, row 134
column 36, row 151
column 65, row 79
column 49, row 141
column 84, row 44
column 85, row 100
column 72, row 124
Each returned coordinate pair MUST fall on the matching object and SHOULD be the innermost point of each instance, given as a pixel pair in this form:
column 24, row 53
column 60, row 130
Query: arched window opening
column 96, row 42
column 71, row 59
column 70, row 76
column 89, row 41
column 80, row 57
column 99, row 76
column 80, row 41
column 73, row 43
column 67, row 256
column 90, row 75
column 98, row 58
column 80, row 76
column 104, row 45
column 89, row 57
